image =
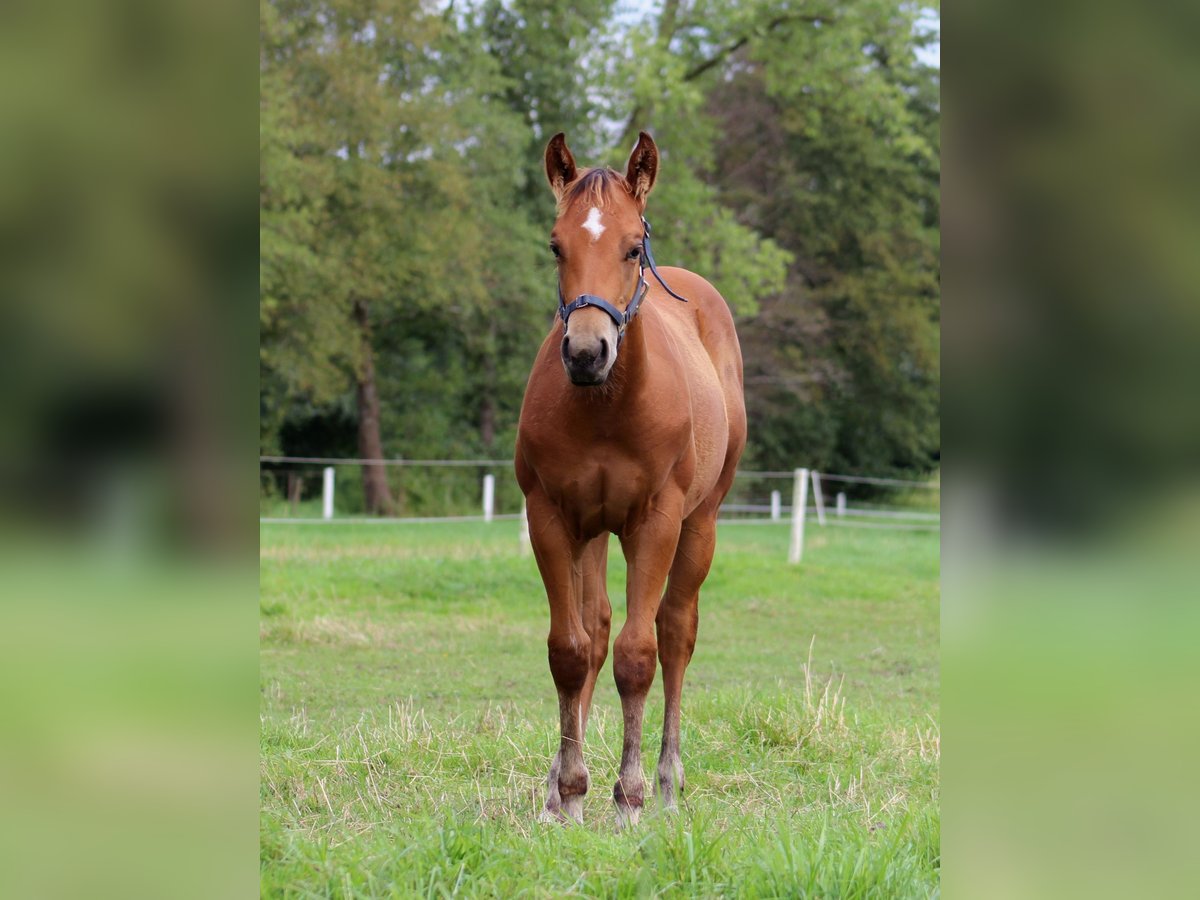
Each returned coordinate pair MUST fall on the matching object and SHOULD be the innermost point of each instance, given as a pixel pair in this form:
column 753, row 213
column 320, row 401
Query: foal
column 632, row 424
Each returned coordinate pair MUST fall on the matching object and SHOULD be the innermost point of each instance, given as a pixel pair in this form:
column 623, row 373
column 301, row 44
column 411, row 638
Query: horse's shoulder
column 705, row 301
column 706, row 312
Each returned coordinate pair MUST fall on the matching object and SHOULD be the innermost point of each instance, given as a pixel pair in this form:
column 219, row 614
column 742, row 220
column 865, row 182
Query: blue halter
column 621, row 318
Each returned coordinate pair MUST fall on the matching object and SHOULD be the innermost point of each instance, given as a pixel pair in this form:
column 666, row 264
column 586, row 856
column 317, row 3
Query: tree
column 331, row 194
column 404, row 212
column 829, row 146
column 369, row 180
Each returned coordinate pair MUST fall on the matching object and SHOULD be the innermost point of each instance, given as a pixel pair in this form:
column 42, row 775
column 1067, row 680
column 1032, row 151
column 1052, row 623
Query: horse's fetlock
column 573, row 784
column 629, row 795
column 670, row 775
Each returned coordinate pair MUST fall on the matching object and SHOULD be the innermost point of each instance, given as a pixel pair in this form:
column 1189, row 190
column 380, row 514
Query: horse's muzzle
column 587, row 366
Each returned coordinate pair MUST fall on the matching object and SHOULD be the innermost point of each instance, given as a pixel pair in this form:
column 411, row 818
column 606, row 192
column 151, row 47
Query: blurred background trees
column 404, row 277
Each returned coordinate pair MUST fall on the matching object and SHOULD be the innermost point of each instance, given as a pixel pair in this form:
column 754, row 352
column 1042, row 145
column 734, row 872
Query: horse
column 632, row 424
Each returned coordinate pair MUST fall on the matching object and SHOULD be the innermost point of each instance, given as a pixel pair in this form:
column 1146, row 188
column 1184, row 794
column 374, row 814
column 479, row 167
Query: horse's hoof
column 569, row 813
column 668, row 797
column 572, row 808
column 552, row 816
column 627, row 816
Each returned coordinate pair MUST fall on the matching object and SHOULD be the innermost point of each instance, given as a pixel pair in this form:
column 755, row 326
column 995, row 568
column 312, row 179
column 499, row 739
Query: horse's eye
column 557, row 253
column 634, row 253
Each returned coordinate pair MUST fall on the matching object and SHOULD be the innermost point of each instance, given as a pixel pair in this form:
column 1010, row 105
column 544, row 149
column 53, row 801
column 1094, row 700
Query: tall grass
column 406, row 729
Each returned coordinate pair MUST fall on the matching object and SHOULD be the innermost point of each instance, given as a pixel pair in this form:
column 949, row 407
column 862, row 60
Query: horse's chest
column 600, row 490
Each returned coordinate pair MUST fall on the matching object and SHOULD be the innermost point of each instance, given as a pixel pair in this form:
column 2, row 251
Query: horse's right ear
column 643, row 168
column 560, row 165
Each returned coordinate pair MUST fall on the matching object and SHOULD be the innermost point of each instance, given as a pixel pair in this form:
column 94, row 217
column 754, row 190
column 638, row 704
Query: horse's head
column 597, row 242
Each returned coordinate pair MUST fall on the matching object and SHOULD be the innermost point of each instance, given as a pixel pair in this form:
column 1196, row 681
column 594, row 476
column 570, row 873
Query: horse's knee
column 570, row 658
column 634, row 664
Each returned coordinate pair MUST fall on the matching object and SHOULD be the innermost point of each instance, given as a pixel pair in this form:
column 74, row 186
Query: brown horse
column 633, row 423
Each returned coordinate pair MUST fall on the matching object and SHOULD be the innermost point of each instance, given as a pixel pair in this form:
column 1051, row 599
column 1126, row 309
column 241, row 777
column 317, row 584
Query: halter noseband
column 621, row 318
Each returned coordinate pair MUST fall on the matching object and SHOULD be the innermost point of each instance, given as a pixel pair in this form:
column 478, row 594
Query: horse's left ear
column 560, row 165
column 643, row 168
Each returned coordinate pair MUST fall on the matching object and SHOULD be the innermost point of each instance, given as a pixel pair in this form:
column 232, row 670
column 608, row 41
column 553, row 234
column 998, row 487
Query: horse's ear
column 643, row 168
column 560, row 164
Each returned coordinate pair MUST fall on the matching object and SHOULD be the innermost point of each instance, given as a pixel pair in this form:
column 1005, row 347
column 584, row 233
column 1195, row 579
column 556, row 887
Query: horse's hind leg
column 649, row 551
column 597, row 615
column 678, row 618
column 560, row 560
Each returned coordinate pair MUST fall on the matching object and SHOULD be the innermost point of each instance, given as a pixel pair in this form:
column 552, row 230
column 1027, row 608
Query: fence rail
column 468, row 463
column 737, row 510
column 333, row 461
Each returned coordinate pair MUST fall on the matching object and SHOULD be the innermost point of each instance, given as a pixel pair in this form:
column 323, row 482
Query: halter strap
column 621, row 318
column 648, row 257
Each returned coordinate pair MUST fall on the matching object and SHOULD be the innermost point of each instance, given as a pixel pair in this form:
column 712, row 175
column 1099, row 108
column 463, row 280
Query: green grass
column 409, row 718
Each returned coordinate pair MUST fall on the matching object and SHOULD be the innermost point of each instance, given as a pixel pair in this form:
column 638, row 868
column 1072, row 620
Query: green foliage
column 402, row 168
column 830, row 145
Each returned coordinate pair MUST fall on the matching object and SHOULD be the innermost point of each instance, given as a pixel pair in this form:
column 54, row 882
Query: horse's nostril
column 603, row 350
column 566, row 347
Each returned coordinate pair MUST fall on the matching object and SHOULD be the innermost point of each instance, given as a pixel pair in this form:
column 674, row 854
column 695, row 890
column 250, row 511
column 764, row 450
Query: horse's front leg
column 678, row 616
column 649, row 551
column 559, row 559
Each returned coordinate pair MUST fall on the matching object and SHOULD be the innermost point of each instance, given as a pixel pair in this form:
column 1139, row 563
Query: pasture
column 409, row 717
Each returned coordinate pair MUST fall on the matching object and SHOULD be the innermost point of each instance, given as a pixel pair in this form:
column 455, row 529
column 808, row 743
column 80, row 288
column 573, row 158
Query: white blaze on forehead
column 592, row 225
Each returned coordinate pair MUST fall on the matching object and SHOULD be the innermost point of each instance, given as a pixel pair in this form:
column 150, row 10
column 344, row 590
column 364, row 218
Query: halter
column 621, row 318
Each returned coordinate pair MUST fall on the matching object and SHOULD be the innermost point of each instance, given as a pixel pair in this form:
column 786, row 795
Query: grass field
column 409, row 718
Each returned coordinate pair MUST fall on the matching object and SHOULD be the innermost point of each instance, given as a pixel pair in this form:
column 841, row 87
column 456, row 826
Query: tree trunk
column 487, row 407
column 295, row 489
column 376, row 495
column 487, row 423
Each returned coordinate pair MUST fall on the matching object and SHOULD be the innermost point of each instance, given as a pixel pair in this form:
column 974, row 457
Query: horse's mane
column 596, row 185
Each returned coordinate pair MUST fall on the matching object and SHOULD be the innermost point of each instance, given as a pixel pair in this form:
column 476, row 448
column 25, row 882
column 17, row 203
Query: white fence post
column 526, row 544
column 819, row 497
column 776, row 505
column 841, row 504
column 327, row 494
column 489, row 497
column 799, row 502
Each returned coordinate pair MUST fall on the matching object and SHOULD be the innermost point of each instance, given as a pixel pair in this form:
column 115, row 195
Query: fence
column 485, row 490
